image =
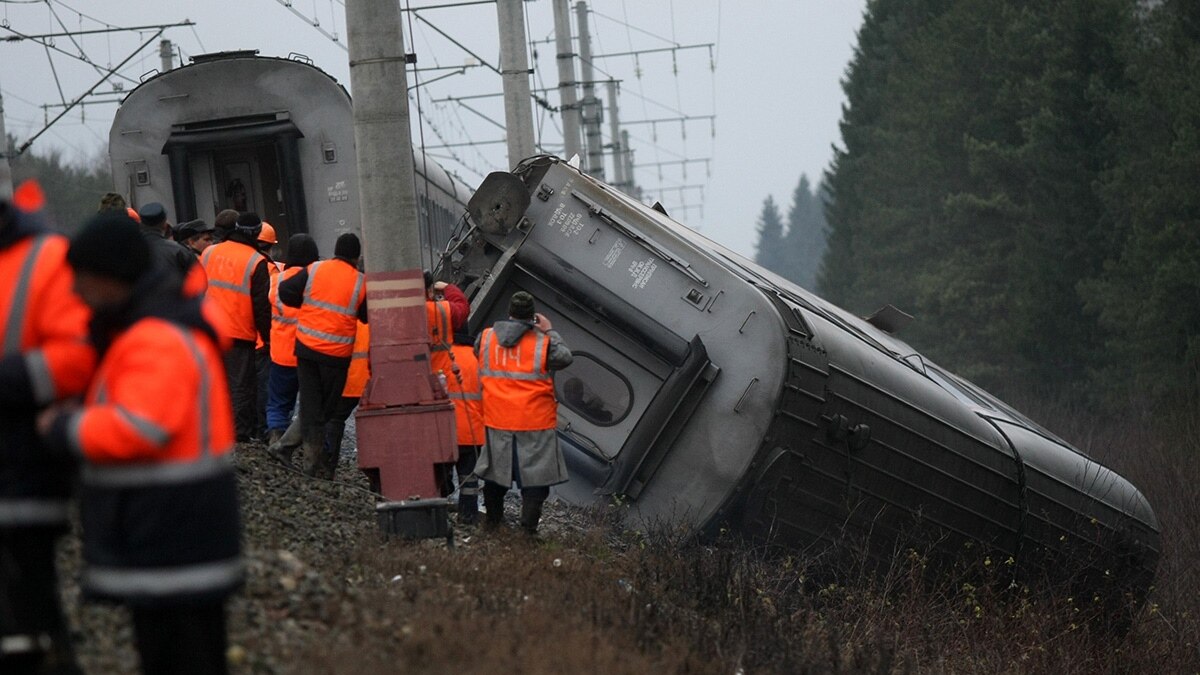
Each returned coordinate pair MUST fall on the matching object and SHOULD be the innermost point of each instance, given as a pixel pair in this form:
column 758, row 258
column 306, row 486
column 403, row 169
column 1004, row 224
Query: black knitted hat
column 301, row 250
column 521, row 306
column 110, row 244
column 347, row 246
column 249, row 223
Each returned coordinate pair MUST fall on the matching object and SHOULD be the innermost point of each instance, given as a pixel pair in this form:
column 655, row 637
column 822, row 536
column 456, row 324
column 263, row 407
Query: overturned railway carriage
column 709, row 391
column 235, row 130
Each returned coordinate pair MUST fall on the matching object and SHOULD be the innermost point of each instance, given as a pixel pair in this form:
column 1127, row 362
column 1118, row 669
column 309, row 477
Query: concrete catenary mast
column 590, row 112
column 402, row 400
column 514, row 66
column 6, row 186
column 568, row 101
column 614, row 131
column 166, row 52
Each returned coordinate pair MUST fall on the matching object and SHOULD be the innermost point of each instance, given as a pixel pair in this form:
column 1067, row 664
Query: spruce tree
column 805, row 239
column 769, row 252
column 1147, row 298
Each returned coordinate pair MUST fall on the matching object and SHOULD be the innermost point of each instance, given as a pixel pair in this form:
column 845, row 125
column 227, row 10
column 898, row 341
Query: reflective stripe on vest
column 283, row 321
column 197, row 578
column 438, row 316
column 279, row 309
column 244, row 286
column 329, row 324
column 148, row 430
column 465, row 396
column 147, row 475
column 230, row 267
column 121, row 475
column 345, row 310
column 41, row 380
column 28, row 511
column 15, row 323
column 520, row 399
column 538, row 372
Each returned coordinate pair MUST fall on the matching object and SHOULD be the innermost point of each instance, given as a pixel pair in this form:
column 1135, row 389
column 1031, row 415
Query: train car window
column 596, row 391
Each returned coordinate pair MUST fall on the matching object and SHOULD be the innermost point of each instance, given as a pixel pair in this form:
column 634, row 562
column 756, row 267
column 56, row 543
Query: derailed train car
column 235, row 130
column 710, row 392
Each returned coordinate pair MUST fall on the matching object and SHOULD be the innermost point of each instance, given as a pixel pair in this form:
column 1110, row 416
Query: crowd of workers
column 136, row 354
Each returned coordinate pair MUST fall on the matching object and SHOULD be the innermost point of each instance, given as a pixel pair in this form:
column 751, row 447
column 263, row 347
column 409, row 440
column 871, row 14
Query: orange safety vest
column 229, row 266
column 158, row 411
column 441, row 334
column 42, row 319
column 467, row 396
column 518, row 390
column 329, row 313
column 283, row 322
column 360, row 364
column 273, row 270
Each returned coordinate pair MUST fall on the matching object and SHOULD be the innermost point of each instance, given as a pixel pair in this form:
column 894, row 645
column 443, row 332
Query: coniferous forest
column 1023, row 178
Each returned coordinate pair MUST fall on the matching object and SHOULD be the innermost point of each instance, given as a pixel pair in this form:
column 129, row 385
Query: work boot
column 468, row 508
column 531, row 513
column 313, row 465
column 281, row 453
column 273, row 437
column 329, row 462
column 493, row 502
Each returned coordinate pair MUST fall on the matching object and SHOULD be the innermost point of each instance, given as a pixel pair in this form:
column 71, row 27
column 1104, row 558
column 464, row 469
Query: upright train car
column 710, row 392
column 235, row 130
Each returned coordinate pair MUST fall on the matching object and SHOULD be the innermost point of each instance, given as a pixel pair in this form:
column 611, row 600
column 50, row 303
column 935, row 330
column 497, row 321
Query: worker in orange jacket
column 282, row 382
column 517, row 358
column 357, row 376
column 467, row 395
column 262, row 354
column 331, row 295
column 240, row 283
column 45, row 359
column 159, row 500
column 446, row 310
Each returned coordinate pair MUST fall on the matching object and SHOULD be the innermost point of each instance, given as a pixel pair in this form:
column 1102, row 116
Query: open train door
column 244, row 164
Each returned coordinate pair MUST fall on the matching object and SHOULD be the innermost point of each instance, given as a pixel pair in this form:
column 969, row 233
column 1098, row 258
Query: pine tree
column 770, row 237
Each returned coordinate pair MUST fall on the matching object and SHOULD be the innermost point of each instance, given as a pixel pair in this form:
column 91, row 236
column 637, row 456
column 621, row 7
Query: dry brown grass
column 327, row 595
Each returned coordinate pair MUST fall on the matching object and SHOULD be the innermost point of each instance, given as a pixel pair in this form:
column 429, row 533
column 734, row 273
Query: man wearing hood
column 43, row 329
column 158, row 501
column 517, row 358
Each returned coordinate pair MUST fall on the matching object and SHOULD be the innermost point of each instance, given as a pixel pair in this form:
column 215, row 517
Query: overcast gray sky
column 772, row 79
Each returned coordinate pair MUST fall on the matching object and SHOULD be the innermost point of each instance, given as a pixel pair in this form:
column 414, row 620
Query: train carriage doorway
column 244, row 165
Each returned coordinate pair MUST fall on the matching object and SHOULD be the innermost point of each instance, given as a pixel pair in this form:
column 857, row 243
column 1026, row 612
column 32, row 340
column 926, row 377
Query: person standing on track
column 331, row 295
column 517, row 358
column 282, row 383
column 240, row 283
column 46, row 358
column 159, row 502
